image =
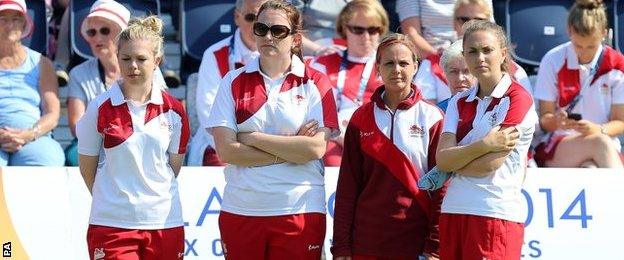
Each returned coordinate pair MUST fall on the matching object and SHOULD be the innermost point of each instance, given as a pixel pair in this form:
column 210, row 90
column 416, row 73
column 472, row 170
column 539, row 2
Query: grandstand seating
column 79, row 9
column 536, row 26
column 202, row 23
column 618, row 20
column 38, row 40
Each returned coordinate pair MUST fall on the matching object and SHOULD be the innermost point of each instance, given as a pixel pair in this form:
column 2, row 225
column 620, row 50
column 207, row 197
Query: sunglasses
column 358, row 30
column 277, row 31
column 464, row 19
column 250, row 17
column 103, row 31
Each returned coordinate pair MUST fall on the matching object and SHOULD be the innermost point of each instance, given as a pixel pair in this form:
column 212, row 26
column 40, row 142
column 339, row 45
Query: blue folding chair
column 536, row 26
column 619, row 25
column 202, row 23
column 80, row 49
column 38, row 40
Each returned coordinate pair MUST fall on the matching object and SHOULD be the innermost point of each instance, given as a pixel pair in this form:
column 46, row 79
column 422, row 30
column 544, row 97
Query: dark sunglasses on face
column 250, row 17
column 358, row 30
column 103, row 31
column 464, row 19
column 277, row 31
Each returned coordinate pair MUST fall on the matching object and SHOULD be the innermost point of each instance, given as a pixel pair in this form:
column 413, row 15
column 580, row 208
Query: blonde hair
column 396, row 38
column 370, row 8
column 144, row 28
column 587, row 17
column 473, row 26
column 483, row 4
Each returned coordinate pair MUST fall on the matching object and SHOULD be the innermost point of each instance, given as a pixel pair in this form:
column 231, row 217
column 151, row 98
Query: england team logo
column 299, row 99
column 415, row 131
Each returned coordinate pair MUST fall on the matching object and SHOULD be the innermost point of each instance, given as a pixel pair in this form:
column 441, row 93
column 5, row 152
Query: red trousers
column 298, row 236
column 475, row 237
column 134, row 244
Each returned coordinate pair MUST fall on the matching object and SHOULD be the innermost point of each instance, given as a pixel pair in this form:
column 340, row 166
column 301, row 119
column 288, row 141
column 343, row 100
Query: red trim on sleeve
column 249, row 94
column 114, row 123
column 434, row 137
column 330, row 117
column 222, row 56
column 466, row 112
column 520, row 103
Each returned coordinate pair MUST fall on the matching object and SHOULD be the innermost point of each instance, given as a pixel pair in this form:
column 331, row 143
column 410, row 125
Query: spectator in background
column 353, row 72
column 456, row 71
column 487, row 133
column 226, row 55
column 101, row 27
column 271, row 120
column 29, row 102
column 580, row 88
column 139, row 133
column 431, row 78
column 390, row 142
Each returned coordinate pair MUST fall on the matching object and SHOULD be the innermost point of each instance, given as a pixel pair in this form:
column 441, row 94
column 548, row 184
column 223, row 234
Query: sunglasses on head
column 358, row 30
column 277, row 31
column 103, row 31
column 250, row 17
column 464, row 19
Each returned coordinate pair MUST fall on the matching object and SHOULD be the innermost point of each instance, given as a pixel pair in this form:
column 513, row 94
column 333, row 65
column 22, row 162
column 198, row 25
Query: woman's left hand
column 12, row 140
column 585, row 127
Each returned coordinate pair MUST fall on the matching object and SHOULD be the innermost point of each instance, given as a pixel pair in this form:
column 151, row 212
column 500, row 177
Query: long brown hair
column 296, row 23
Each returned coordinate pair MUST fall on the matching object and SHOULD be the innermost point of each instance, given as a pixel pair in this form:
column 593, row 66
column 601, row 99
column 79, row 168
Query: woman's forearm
column 296, row 149
column 456, row 157
column 484, row 165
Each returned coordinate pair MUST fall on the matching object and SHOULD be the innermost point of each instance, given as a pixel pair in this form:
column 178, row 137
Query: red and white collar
column 499, row 91
column 117, row 97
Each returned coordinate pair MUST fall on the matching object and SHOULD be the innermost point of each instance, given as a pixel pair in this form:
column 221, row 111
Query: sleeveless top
column 19, row 93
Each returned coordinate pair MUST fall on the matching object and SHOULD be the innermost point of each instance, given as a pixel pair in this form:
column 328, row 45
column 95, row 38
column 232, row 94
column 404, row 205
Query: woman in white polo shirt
column 486, row 136
column 271, row 121
column 581, row 95
column 139, row 134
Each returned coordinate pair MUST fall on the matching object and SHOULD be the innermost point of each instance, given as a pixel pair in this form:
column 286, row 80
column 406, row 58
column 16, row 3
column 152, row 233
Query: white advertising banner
column 571, row 213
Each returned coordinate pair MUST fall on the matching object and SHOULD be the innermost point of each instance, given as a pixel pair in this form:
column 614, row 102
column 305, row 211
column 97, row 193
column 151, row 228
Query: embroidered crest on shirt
column 604, row 89
column 98, row 253
column 493, row 119
column 166, row 127
column 299, row 99
column 366, row 134
column 416, row 131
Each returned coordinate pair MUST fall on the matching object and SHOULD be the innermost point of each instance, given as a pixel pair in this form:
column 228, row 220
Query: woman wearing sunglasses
column 389, row 143
column 29, row 103
column 106, row 19
column 353, row 72
column 271, row 121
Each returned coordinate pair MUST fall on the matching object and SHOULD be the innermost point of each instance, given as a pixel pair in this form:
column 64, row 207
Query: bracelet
column 603, row 129
column 35, row 129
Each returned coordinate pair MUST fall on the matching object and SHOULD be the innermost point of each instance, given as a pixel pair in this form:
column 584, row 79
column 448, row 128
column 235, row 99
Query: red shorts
column 211, row 158
column 333, row 154
column 298, row 236
column 134, row 244
column 476, row 237
column 546, row 151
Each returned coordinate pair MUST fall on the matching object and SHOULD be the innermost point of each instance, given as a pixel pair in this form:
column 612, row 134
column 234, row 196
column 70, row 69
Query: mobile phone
column 575, row 116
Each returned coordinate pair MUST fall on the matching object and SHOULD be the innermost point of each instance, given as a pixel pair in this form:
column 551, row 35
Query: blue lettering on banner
column 214, row 194
column 535, row 251
column 330, row 204
column 216, row 247
column 190, row 247
column 580, row 200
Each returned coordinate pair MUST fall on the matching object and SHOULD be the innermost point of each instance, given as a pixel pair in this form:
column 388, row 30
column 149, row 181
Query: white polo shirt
column 218, row 59
column 135, row 187
column 561, row 78
column 249, row 101
column 470, row 119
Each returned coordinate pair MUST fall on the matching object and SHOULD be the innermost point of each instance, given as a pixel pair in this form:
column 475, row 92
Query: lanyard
column 586, row 82
column 342, row 76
